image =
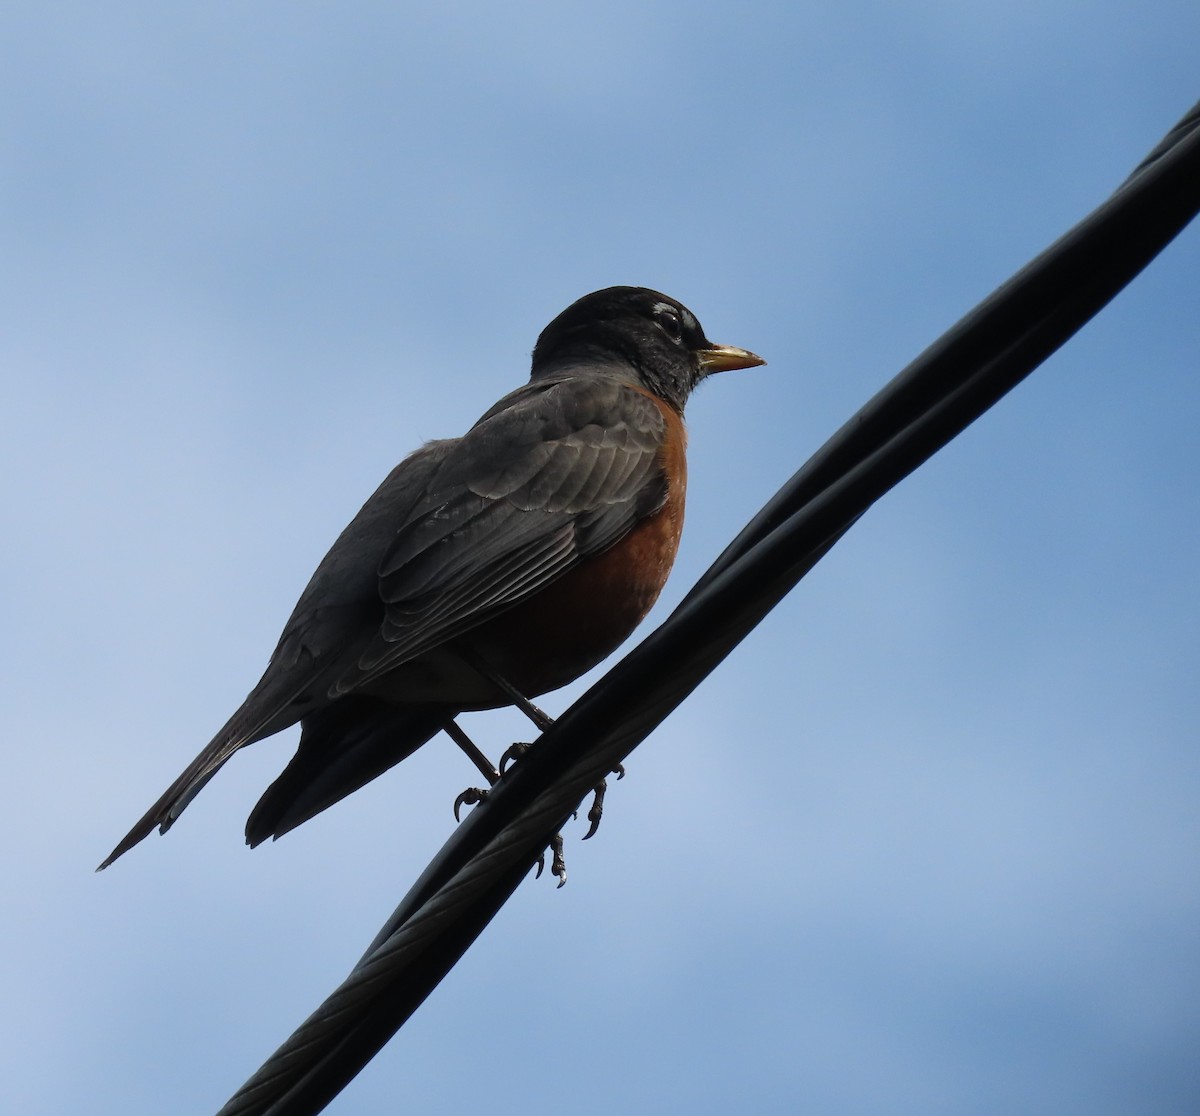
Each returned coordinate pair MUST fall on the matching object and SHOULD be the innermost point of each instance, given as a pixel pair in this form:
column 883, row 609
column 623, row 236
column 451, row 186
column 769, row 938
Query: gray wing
column 560, row 474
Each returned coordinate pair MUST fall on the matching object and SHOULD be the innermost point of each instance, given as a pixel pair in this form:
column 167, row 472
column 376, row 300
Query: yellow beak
column 725, row 358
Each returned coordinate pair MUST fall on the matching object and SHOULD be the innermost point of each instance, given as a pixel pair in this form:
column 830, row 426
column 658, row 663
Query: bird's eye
column 668, row 318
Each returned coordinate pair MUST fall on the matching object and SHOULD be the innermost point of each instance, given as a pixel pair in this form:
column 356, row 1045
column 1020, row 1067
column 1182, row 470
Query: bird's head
column 638, row 332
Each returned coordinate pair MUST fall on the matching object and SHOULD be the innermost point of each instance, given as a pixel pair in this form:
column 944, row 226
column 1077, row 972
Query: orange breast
column 576, row 621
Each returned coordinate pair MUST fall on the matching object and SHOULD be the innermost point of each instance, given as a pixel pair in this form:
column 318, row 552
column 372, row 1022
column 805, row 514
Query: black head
column 636, row 330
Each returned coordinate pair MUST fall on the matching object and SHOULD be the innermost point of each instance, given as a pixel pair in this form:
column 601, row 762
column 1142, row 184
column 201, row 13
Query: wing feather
column 530, row 492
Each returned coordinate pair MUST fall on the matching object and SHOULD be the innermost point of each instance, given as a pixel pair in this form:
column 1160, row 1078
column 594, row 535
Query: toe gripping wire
column 542, row 721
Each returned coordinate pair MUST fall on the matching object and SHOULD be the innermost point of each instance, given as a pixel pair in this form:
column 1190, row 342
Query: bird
column 485, row 570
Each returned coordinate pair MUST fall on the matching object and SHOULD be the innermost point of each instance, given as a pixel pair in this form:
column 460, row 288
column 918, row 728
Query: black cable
column 937, row 396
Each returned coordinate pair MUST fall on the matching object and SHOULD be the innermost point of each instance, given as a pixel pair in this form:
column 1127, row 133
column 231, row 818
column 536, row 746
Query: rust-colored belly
column 576, row 621
column 569, row 626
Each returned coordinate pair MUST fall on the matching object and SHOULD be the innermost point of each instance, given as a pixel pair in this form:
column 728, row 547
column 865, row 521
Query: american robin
column 486, row 569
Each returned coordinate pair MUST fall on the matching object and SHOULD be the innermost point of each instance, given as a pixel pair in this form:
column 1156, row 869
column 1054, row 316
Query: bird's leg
column 541, row 719
column 472, row 795
column 515, row 751
column 472, row 751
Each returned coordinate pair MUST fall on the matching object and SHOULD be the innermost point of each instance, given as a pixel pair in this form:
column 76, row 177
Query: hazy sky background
column 927, row 843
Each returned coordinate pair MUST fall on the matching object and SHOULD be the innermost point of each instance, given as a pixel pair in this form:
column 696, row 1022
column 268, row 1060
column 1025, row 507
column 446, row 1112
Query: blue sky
column 927, row 842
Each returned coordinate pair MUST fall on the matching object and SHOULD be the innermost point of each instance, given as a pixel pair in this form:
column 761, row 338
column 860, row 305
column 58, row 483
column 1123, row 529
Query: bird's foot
column 513, row 753
column 472, row 796
column 558, row 862
column 597, row 811
column 558, row 865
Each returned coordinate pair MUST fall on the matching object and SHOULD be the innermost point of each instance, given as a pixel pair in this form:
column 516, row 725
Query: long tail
column 264, row 712
column 164, row 812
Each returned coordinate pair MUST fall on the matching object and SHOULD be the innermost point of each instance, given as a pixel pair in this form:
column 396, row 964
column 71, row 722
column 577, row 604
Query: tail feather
column 264, row 712
column 342, row 747
column 164, row 812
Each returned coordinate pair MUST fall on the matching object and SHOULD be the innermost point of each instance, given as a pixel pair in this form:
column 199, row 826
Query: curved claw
column 558, row 865
column 619, row 771
column 513, row 753
column 597, row 810
column 472, row 796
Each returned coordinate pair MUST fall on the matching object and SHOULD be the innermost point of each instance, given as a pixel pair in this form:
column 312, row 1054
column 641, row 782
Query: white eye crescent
column 668, row 318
